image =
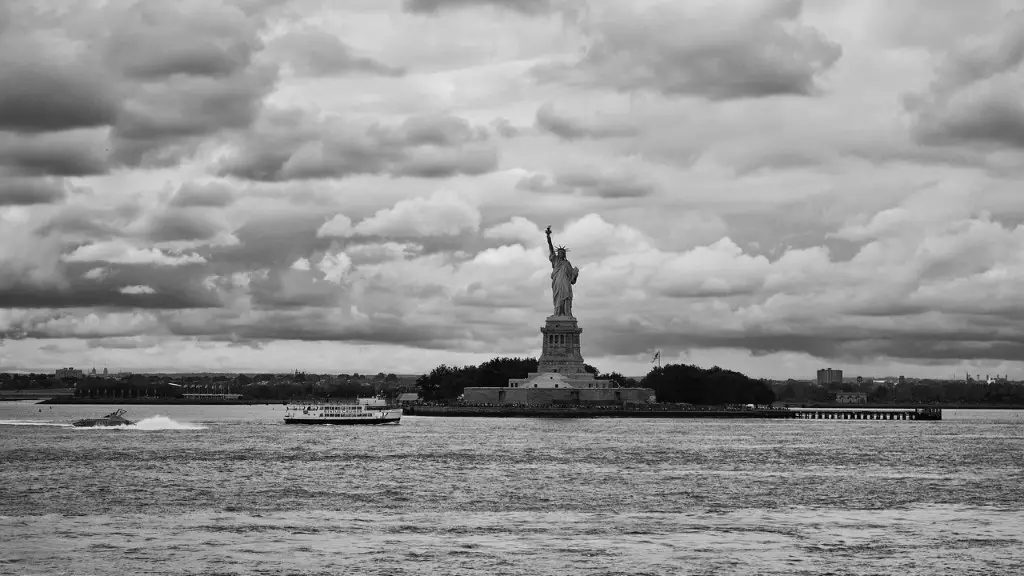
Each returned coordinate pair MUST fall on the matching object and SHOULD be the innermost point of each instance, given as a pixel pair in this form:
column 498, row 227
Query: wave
column 151, row 423
column 163, row 423
column 31, row 423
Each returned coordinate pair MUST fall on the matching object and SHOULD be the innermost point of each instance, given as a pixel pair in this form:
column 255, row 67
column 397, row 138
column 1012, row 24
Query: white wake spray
column 162, row 423
column 151, row 423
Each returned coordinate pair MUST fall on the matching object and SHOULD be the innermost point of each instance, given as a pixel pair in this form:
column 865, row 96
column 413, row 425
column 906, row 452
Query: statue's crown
column 561, row 249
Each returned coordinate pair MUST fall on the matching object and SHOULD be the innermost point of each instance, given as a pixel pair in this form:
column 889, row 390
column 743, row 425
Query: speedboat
column 115, row 418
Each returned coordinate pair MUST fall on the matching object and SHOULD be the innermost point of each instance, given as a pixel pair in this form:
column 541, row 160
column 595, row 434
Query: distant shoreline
column 153, row 401
column 43, row 398
column 906, row 406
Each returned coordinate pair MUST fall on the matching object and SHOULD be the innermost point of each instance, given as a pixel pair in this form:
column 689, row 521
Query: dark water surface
column 231, row 490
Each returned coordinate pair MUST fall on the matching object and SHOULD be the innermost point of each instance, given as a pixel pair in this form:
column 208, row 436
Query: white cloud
column 96, row 273
column 335, row 266
column 138, row 289
column 517, row 229
column 339, row 226
column 444, row 213
column 120, row 252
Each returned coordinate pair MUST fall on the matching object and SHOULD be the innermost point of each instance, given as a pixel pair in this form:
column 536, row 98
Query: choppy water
column 231, row 490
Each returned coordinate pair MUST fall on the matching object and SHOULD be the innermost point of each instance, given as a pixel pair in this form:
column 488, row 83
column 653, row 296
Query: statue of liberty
column 563, row 276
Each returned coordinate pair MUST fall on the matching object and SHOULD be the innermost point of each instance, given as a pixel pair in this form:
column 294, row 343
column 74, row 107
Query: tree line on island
column 671, row 383
column 925, row 391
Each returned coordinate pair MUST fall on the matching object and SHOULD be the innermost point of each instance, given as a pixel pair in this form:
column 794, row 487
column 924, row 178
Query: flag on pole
column 657, row 356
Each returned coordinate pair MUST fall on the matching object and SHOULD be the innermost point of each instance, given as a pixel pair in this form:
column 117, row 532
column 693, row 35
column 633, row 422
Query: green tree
column 879, row 395
column 496, row 372
column 619, row 379
column 445, row 382
column 706, row 386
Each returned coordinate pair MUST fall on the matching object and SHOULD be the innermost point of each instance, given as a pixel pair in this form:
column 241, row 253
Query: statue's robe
column 563, row 276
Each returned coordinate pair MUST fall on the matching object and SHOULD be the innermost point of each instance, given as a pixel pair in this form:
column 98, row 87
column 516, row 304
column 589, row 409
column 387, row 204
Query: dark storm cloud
column 589, row 184
column 151, row 43
column 314, row 325
column 272, row 241
column 123, row 342
column 529, row 7
column 68, row 153
column 167, row 78
column 317, row 53
column 171, row 289
column 842, row 342
column 82, row 293
column 381, row 330
column 997, row 119
column 975, row 96
column 568, row 128
column 289, row 145
column 766, row 53
column 165, row 121
column 41, row 97
column 188, row 74
column 15, row 191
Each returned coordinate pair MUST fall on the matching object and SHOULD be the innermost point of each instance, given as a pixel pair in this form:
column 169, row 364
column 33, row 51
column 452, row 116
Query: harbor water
column 232, row 490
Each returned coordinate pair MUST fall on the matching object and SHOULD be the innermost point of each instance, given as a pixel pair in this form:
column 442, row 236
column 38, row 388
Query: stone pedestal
column 561, row 362
column 560, row 378
column 560, row 349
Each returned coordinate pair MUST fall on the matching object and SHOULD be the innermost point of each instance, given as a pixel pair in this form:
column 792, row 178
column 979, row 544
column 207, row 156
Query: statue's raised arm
column 551, row 248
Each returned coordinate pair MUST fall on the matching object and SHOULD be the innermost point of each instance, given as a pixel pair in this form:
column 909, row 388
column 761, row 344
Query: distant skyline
column 770, row 186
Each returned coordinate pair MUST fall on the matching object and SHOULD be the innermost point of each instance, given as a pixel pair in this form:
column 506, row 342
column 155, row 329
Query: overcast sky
column 269, row 185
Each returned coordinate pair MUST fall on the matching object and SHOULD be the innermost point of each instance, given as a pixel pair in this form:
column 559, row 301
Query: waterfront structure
column 68, row 373
column 828, row 376
column 669, row 411
column 851, row 398
column 408, row 398
column 560, row 377
column 201, row 396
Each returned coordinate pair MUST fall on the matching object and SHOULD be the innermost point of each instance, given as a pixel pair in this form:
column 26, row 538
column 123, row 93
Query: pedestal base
column 560, row 348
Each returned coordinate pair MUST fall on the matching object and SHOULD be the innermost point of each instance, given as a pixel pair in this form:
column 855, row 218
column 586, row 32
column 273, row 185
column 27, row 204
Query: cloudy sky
column 770, row 186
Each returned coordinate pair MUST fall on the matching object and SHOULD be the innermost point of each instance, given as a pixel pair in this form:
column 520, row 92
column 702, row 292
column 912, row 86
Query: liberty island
column 561, row 377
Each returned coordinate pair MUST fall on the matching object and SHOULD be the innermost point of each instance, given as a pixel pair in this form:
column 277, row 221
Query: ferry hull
column 363, row 411
column 341, row 421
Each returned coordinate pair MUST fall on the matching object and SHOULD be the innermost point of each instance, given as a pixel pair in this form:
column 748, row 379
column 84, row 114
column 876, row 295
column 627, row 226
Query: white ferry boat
column 365, row 411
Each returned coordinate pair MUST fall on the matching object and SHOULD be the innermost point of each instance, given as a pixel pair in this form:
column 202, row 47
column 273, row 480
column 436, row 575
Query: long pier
column 905, row 414
column 867, row 413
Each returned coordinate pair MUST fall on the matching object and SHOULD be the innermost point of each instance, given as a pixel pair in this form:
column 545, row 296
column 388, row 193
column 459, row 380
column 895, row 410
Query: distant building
column 901, row 380
column 68, row 373
column 828, row 376
column 408, row 398
column 202, row 396
column 851, row 398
